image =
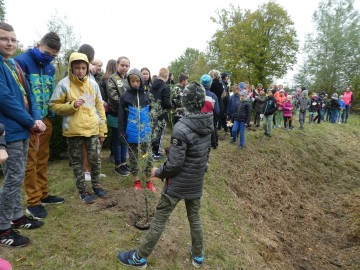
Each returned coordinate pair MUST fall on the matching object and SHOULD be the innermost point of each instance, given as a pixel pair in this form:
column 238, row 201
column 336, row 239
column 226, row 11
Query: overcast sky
column 150, row 33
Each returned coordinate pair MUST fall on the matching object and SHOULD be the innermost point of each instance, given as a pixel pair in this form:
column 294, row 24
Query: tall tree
column 186, row 63
column 332, row 52
column 256, row 46
column 69, row 41
column 2, row 11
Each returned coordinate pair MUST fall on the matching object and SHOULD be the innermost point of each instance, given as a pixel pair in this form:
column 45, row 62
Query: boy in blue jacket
column 19, row 115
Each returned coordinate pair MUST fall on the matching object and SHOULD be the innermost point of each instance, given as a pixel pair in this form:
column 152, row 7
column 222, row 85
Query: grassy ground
column 287, row 202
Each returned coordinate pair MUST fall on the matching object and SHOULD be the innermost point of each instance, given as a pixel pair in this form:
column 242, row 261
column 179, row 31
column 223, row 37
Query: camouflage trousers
column 164, row 209
column 93, row 148
column 140, row 159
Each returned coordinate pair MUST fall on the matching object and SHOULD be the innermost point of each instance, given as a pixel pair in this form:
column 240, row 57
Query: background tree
column 69, row 42
column 332, row 52
column 2, row 11
column 256, row 46
column 189, row 63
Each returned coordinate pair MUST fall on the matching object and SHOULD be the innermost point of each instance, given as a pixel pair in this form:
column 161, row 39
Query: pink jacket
column 348, row 97
column 287, row 108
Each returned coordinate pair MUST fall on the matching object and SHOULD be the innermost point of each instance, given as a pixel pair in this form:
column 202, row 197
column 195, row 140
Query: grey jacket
column 186, row 164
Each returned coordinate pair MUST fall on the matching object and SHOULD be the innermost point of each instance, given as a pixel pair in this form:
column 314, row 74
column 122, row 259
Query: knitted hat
column 193, row 97
column 242, row 85
column 224, row 75
column 304, row 93
column 206, row 80
column 334, row 96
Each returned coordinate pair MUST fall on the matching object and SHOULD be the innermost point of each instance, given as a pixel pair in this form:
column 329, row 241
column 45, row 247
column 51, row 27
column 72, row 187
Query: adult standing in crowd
column 348, row 97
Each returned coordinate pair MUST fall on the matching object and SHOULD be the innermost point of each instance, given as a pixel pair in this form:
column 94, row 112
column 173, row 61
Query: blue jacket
column 134, row 114
column 13, row 114
column 233, row 100
column 41, row 79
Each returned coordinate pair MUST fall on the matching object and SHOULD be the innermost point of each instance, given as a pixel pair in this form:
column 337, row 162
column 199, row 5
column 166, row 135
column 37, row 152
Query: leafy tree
column 2, row 11
column 69, row 42
column 332, row 53
column 256, row 46
column 188, row 62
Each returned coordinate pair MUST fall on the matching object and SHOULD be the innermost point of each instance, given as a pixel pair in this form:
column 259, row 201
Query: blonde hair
column 214, row 74
column 97, row 62
column 163, row 74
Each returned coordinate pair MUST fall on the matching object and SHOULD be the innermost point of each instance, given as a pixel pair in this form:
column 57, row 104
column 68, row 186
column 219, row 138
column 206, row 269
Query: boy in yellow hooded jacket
column 78, row 99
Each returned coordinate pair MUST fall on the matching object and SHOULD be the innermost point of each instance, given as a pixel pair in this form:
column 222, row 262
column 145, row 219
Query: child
column 335, row 107
column 313, row 108
column 78, row 99
column 280, row 98
column 342, row 109
column 304, row 105
column 134, row 126
column 268, row 111
column 241, row 118
column 3, row 153
column 287, row 112
column 184, row 172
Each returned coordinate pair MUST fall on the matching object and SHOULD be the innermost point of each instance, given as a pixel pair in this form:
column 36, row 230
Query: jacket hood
column 201, row 124
column 136, row 72
column 74, row 57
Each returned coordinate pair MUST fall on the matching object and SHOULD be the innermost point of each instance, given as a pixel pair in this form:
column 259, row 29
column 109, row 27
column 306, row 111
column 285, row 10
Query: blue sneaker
column 197, row 261
column 130, row 258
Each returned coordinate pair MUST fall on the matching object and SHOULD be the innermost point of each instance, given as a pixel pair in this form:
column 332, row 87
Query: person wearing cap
column 211, row 105
column 348, row 99
column 183, row 172
column 335, row 107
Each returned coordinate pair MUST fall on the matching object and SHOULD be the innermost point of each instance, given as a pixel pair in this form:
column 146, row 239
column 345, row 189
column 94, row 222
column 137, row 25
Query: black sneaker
column 87, row 197
column 101, row 193
column 26, row 222
column 156, row 156
column 52, row 200
column 121, row 170
column 37, row 211
column 12, row 238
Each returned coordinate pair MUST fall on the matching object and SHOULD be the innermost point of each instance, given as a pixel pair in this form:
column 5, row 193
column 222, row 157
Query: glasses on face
column 9, row 40
column 124, row 65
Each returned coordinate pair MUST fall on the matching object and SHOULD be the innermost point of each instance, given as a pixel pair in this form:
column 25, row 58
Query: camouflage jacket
column 175, row 97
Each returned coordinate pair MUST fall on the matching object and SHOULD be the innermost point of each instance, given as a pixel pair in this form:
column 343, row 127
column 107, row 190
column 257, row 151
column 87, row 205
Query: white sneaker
column 87, row 176
column 102, row 175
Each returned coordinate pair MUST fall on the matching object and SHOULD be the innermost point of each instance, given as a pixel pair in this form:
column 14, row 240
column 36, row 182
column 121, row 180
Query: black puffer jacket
column 185, row 166
column 160, row 92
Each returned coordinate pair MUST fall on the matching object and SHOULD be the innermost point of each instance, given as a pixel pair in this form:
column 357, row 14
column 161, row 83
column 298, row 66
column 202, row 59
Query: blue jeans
column 118, row 151
column 334, row 114
column 239, row 125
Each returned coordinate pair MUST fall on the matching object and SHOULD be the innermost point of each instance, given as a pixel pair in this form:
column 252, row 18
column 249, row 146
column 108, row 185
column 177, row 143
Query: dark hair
column 148, row 70
column 182, row 77
column 6, row 27
column 88, row 50
column 110, row 69
column 52, row 40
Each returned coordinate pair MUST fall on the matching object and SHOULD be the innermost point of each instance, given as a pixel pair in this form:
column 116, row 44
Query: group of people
column 132, row 105
column 135, row 106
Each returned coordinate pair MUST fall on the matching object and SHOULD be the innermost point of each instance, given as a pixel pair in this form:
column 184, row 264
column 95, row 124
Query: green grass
column 287, row 202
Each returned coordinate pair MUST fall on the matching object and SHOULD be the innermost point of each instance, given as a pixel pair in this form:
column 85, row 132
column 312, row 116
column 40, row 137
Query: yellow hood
column 78, row 56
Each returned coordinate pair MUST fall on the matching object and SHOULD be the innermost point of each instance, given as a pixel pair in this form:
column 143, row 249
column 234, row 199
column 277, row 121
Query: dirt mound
column 131, row 202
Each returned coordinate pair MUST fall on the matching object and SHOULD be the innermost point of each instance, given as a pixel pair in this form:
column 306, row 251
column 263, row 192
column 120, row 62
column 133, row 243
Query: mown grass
column 263, row 207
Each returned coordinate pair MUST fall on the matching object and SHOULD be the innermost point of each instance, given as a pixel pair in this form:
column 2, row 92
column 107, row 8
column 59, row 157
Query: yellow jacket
column 88, row 119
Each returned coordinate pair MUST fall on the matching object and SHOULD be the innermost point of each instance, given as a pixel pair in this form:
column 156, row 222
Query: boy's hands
column 78, row 103
column 153, row 170
column 3, row 155
column 38, row 128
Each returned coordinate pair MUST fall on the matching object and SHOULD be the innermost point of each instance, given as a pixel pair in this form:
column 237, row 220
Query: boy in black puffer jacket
column 184, row 172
